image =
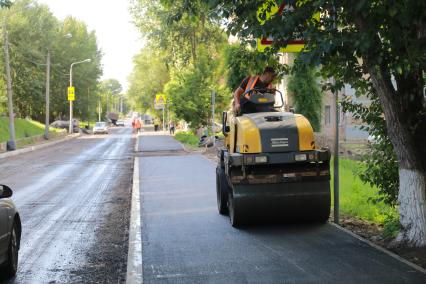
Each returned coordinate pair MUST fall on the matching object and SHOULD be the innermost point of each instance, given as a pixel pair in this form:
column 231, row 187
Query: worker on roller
column 262, row 83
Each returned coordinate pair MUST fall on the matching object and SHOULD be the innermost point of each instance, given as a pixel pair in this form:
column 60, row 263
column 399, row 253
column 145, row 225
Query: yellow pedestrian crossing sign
column 160, row 101
column 71, row 94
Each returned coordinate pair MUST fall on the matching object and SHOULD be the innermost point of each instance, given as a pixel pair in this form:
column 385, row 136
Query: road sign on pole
column 160, row 101
column 71, row 93
column 213, row 99
column 264, row 13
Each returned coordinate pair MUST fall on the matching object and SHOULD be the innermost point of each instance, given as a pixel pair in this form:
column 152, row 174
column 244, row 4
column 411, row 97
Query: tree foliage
column 307, row 96
column 241, row 61
column 150, row 74
column 33, row 30
column 184, row 46
column 190, row 91
column 5, row 3
column 381, row 164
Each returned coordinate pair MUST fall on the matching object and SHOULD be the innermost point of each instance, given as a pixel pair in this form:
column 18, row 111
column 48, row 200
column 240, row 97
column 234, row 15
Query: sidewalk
column 157, row 142
column 183, row 239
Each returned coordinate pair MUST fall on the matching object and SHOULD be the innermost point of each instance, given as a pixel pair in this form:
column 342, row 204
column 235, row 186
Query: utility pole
column 107, row 104
column 46, row 127
column 336, row 144
column 11, row 145
column 213, row 103
column 164, row 123
column 99, row 111
column 88, row 107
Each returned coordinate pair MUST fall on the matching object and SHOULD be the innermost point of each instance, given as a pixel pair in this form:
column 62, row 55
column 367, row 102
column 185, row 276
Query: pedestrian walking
column 134, row 125
column 172, row 127
column 138, row 125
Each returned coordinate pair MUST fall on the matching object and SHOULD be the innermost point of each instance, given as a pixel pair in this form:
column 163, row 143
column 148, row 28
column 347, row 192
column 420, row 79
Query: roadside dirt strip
column 185, row 240
column 74, row 201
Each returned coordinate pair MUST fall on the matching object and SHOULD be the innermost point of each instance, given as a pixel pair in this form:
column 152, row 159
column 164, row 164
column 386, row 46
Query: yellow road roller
column 270, row 168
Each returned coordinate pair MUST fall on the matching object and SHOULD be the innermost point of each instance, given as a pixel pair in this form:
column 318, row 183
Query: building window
column 327, row 115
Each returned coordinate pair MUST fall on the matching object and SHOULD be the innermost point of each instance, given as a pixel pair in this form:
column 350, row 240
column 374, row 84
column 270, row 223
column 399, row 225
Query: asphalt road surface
column 74, row 200
column 185, row 240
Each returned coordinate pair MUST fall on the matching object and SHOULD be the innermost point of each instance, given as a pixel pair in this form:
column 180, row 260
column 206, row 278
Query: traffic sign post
column 160, row 103
column 268, row 9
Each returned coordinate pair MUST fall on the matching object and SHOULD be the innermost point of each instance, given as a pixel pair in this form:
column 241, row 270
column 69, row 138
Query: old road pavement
column 74, row 201
column 185, row 240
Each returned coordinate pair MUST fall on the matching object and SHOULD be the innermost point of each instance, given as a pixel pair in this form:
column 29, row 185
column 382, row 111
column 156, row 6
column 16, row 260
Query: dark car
column 10, row 234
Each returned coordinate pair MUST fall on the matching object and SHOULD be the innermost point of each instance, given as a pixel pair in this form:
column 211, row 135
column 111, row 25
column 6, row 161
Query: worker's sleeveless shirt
column 251, row 84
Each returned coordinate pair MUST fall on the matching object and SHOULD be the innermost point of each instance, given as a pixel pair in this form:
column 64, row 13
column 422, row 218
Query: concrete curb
column 182, row 145
column 391, row 254
column 137, row 143
column 38, row 147
column 134, row 256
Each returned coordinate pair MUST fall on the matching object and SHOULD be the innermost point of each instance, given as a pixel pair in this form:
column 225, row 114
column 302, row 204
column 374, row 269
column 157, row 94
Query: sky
column 117, row 37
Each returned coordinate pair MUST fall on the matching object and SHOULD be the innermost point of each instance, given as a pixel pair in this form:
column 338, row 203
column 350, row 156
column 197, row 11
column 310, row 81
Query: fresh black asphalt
column 185, row 240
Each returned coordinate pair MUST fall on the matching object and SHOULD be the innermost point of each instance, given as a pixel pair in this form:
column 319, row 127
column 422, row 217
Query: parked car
column 64, row 124
column 119, row 123
column 100, row 127
column 10, row 234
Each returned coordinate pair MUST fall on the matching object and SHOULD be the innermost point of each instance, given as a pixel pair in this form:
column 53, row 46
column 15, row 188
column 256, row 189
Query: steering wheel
column 263, row 91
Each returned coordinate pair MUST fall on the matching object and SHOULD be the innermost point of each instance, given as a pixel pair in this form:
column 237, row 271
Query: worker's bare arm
column 237, row 95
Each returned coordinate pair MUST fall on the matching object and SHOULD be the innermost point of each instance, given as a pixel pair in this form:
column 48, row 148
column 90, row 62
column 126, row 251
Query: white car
column 100, row 127
column 120, row 123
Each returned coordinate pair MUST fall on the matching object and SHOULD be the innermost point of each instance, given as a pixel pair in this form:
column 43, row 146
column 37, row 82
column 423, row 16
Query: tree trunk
column 412, row 207
column 401, row 116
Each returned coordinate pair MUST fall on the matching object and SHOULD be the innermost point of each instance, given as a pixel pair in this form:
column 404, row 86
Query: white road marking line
column 134, row 256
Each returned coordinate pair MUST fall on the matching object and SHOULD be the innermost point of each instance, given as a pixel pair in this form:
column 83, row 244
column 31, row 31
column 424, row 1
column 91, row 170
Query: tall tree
column 150, row 74
column 188, row 37
column 32, row 31
column 110, row 89
column 378, row 48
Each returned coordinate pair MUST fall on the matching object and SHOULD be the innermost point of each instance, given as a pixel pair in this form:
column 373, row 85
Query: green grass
column 187, row 138
column 23, row 128
column 355, row 195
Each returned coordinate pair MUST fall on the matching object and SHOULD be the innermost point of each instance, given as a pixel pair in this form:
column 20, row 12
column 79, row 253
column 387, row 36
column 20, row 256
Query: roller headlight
column 261, row 159
column 300, row 157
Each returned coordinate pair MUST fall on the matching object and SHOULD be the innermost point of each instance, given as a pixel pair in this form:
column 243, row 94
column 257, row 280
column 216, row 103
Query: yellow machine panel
column 248, row 136
column 306, row 133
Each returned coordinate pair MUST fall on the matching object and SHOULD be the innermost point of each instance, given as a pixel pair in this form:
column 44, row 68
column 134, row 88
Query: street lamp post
column 71, row 104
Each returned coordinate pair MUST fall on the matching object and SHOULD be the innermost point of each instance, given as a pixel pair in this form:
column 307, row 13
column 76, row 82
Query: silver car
column 100, row 127
column 10, row 234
